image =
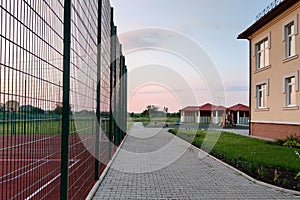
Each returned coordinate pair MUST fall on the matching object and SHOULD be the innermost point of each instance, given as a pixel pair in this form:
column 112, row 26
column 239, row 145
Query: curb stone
column 104, row 173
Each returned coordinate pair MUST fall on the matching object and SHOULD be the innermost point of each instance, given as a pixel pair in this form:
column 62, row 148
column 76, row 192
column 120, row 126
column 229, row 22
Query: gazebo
column 240, row 113
column 189, row 114
column 205, row 114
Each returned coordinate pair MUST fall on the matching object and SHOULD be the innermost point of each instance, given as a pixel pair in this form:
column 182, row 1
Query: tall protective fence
column 63, row 91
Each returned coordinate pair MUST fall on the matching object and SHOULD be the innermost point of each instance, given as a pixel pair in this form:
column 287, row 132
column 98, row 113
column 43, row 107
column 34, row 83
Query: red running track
column 30, row 165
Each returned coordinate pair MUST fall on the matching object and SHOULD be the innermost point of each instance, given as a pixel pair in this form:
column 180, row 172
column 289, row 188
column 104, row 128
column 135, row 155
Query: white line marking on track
column 49, row 182
column 31, row 142
column 26, row 172
column 26, row 160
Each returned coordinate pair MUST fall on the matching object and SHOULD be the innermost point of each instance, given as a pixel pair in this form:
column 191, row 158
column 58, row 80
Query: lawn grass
column 78, row 125
column 44, row 126
column 258, row 158
column 31, row 127
column 158, row 120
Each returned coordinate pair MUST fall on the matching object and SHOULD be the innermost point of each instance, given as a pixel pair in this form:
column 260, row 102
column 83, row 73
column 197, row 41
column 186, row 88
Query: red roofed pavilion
column 209, row 113
column 240, row 113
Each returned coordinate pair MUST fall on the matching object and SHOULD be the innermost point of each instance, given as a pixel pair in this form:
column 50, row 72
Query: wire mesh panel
column 112, row 85
column 32, row 97
column 123, row 101
column 117, row 91
column 83, row 103
column 105, row 84
column 30, row 89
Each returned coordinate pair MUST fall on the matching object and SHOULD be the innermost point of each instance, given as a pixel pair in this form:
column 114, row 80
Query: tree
column 149, row 109
column 58, row 109
column 166, row 109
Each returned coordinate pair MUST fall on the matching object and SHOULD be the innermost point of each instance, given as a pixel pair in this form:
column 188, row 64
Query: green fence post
column 98, row 123
column 36, row 119
column 66, row 102
column 13, row 122
column 125, row 98
column 111, row 120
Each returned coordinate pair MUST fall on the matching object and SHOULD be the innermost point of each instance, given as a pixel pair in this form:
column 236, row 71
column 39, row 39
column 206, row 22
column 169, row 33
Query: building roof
column 219, row 108
column 281, row 7
column 210, row 107
column 207, row 107
column 190, row 108
column 239, row 107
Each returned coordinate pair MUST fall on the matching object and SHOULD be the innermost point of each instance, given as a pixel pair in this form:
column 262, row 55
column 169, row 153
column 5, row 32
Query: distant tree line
column 154, row 111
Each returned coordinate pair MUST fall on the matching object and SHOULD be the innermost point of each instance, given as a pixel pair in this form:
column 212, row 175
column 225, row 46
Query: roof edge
column 267, row 18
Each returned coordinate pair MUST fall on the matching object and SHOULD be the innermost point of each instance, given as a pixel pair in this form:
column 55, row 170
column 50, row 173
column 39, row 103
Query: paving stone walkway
column 154, row 164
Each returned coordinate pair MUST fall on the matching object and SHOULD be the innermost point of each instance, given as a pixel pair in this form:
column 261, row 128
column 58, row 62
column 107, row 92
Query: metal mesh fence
column 105, row 84
column 32, row 77
column 30, row 88
column 117, row 93
column 83, row 74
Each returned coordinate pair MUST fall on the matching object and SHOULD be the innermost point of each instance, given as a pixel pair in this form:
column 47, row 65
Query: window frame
column 290, row 84
column 259, row 53
column 286, row 91
column 290, row 39
column 291, row 20
column 265, row 94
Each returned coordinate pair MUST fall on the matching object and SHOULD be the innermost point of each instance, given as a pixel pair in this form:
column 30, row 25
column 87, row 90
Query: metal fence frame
column 89, row 132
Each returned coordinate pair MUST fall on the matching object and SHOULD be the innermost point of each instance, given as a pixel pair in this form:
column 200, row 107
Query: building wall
column 274, row 74
column 274, row 131
column 188, row 117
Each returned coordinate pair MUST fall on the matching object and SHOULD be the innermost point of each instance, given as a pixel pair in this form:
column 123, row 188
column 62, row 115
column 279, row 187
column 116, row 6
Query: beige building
column 274, row 71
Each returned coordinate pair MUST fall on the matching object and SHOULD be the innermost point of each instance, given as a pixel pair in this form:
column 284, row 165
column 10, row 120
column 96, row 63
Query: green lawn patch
column 47, row 126
column 263, row 160
column 155, row 120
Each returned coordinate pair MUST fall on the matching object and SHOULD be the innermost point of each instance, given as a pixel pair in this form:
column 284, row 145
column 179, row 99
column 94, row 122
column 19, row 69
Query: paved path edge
column 244, row 174
column 105, row 171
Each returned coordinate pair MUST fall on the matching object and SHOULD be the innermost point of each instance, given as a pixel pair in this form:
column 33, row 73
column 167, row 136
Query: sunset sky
column 212, row 25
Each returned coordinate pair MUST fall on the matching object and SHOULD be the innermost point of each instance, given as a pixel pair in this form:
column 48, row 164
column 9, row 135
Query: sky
column 194, row 42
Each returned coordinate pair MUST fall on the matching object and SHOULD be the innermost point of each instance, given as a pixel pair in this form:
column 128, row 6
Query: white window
column 291, row 88
column 261, row 96
column 290, row 49
column 290, row 91
column 262, row 53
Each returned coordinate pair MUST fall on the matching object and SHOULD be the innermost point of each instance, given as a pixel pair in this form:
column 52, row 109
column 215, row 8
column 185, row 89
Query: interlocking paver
column 156, row 167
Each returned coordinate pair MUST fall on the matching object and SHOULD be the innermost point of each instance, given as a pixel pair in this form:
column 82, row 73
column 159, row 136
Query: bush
column 297, row 176
column 278, row 142
column 291, row 141
column 173, row 131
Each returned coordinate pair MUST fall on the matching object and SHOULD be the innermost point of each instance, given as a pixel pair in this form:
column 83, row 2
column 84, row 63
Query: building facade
column 239, row 113
column 274, row 71
column 209, row 113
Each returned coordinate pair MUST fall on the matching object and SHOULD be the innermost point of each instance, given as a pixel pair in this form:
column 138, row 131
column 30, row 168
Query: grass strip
column 261, row 159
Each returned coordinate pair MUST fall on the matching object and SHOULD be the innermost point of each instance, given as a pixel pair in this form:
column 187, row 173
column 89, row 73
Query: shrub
column 262, row 172
column 173, row 131
column 291, row 141
column 278, row 142
column 298, row 176
column 201, row 133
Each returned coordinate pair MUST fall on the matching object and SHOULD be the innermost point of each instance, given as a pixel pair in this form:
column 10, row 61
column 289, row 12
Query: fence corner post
column 66, row 102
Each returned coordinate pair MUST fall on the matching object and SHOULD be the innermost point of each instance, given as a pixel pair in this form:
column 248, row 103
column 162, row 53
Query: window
column 262, row 53
column 290, row 40
column 290, row 91
column 261, row 96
